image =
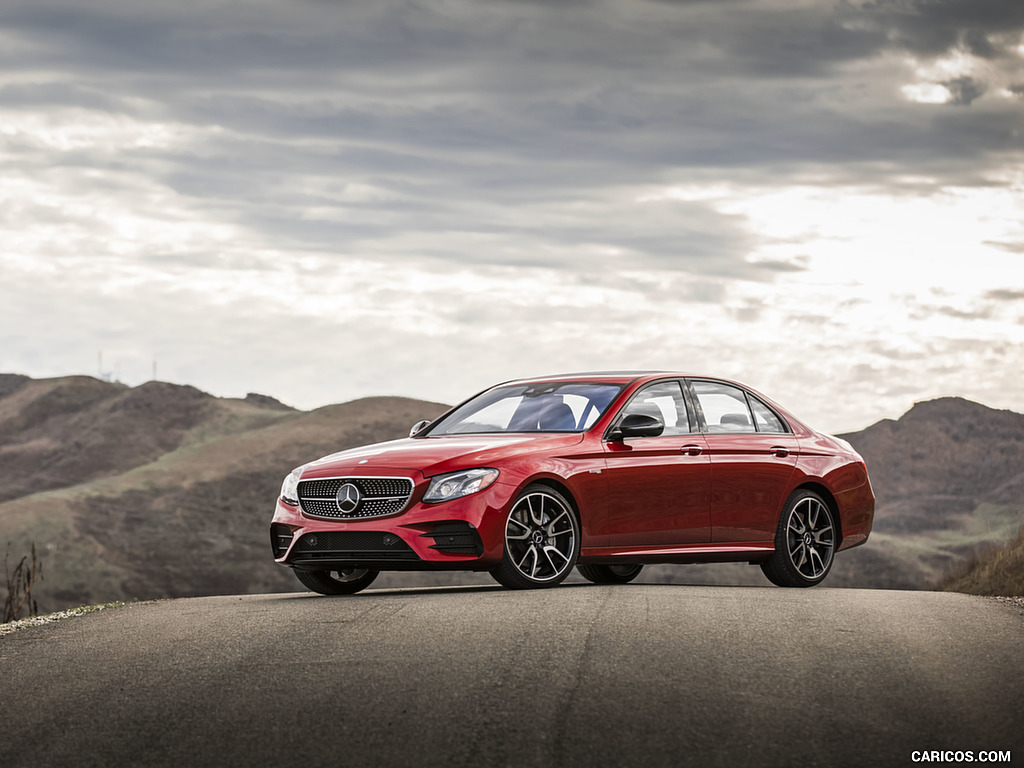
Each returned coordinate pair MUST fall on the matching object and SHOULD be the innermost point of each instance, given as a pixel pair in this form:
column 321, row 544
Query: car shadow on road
column 459, row 589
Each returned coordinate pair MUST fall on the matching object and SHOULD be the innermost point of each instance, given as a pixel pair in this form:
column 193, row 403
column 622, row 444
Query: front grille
column 378, row 496
column 353, row 546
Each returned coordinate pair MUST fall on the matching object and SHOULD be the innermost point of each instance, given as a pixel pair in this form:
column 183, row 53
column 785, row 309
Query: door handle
column 778, row 451
column 692, row 450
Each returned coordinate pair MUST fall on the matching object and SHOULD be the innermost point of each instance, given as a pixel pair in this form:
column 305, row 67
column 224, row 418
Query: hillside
column 187, row 512
column 949, row 478
column 57, row 433
column 162, row 490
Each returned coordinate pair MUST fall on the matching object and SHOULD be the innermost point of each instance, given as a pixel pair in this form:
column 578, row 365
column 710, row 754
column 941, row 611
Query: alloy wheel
column 540, row 536
column 810, row 536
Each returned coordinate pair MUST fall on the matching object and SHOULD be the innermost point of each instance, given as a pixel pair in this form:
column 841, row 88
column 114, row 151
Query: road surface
column 580, row 675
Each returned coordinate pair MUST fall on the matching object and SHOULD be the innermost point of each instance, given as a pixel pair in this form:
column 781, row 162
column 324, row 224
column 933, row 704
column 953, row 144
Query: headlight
column 290, row 487
column 458, row 484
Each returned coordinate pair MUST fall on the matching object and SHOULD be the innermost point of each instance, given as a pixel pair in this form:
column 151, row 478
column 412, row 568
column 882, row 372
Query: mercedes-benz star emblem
column 348, row 498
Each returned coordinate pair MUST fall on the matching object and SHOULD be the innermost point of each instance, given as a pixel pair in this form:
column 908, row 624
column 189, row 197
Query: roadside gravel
column 35, row 621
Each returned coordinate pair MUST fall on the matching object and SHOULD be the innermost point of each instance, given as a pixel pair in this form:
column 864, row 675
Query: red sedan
column 603, row 472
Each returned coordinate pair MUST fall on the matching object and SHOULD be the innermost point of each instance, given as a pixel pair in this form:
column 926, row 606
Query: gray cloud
column 963, row 90
column 481, row 139
column 1003, row 246
column 1003, row 294
column 932, row 27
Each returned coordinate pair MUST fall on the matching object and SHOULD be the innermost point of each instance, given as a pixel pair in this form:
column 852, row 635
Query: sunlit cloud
column 926, row 93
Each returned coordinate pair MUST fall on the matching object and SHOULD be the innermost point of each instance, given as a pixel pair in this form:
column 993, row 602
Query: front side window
column 663, row 400
column 544, row 407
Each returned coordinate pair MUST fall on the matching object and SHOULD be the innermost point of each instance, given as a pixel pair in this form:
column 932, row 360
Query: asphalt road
column 575, row 676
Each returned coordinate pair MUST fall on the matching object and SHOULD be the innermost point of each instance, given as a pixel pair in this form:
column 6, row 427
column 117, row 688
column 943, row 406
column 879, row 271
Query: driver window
column 663, row 400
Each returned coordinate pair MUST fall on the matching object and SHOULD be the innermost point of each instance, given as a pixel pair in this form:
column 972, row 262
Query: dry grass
column 19, row 584
column 995, row 571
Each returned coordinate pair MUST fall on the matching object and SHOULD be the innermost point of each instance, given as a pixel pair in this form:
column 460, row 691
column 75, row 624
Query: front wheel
column 542, row 540
column 610, row 574
column 346, row 581
column 805, row 542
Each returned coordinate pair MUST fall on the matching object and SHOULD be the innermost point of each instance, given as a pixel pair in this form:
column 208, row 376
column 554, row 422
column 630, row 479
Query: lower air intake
column 280, row 538
column 350, row 546
column 456, row 538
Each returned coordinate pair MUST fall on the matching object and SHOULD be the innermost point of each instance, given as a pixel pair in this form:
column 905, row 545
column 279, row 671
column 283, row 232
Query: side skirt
column 689, row 553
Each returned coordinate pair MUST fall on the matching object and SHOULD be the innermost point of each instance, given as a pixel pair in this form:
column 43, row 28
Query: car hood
column 436, row 455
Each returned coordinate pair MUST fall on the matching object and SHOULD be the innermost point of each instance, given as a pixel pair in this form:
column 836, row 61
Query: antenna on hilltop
column 99, row 368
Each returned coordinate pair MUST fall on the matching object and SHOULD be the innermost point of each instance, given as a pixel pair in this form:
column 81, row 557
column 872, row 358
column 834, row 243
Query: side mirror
column 418, row 427
column 637, row 425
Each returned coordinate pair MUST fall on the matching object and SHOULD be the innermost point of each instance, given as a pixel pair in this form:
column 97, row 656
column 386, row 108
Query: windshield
column 545, row 407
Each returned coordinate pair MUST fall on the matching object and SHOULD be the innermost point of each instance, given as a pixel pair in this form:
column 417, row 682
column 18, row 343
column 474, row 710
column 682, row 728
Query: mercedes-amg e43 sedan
column 602, row 472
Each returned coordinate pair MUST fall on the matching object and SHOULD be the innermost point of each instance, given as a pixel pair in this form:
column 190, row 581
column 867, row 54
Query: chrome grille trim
column 381, row 495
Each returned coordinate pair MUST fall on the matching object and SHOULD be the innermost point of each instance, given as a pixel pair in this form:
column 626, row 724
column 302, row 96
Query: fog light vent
column 280, row 539
column 456, row 538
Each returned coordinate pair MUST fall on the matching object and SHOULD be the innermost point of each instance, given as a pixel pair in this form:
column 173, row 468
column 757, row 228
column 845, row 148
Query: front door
column 659, row 488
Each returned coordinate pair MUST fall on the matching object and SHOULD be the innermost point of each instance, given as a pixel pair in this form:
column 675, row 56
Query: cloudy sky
column 323, row 200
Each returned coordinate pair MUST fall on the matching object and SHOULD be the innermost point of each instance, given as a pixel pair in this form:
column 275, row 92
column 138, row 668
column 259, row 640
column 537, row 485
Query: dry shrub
column 997, row 571
column 19, row 584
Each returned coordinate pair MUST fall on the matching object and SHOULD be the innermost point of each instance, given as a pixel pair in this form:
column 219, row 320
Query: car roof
column 611, row 377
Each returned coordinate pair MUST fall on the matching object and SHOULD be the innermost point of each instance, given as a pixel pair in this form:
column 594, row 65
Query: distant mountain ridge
column 162, row 490
column 56, row 433
column 949, row 478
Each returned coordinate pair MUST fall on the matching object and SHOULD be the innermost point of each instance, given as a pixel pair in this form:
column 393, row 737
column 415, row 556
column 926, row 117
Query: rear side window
column 764, row 417
column 725, row 407
column 730, row 409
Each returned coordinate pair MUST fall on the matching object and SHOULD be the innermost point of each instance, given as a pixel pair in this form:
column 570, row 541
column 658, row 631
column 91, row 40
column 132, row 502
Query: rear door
column 753, row 456
column 659, row 487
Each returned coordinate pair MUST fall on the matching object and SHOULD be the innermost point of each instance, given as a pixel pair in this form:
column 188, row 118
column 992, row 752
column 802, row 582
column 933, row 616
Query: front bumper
column 465, row 533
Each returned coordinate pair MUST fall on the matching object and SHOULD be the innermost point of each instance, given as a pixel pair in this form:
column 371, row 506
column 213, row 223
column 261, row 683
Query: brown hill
column 57, row 433
column 949, row 478
column 187, row 512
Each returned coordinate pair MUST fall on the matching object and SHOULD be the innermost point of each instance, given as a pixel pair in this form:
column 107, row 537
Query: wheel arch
column 555, row 484
column 558, row 484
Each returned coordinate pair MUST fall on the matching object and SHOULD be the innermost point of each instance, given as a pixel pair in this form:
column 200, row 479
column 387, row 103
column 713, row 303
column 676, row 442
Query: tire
column 542, row 540
column 805, row 542
column 610, row 574
column 346, row 581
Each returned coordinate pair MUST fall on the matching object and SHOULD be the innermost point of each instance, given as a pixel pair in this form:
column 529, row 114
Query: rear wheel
column 542, row 540
column 610, row 574
column 346, row 581
column 804, row 543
